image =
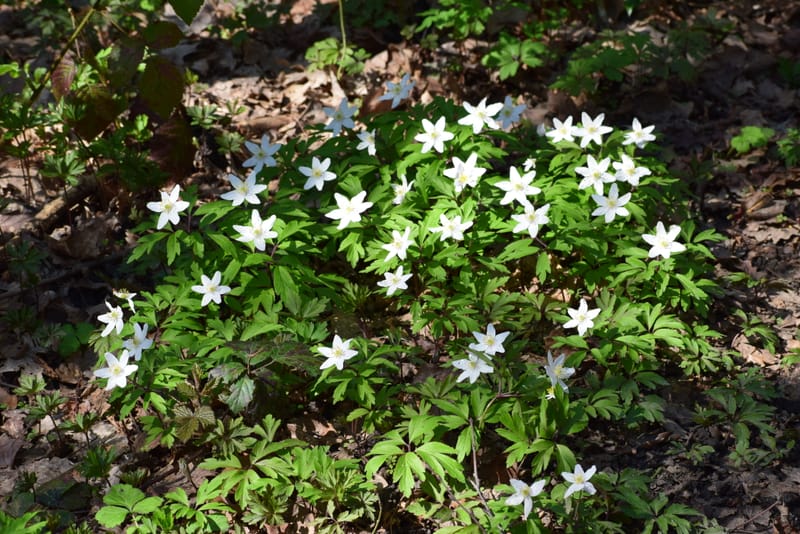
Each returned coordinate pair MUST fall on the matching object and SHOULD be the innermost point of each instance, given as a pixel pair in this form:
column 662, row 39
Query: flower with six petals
column 663, row 241
column 169, row 208
column 211, row 288
column 349, row 210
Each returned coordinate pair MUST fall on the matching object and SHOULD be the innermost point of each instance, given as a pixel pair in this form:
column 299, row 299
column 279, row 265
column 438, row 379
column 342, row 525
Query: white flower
column 464, row 173
column 349, row 210
column 627, row 171
column 531, row 220
column 396, row 92
column 529, row 165
column 579, row 481
column 127, row 295
column 401, row 190
column 480, row 115
column 612, row 205
column 116, row 370
column 518, row 187
column 211, row 288
column 318, row 173
column 399, row 244
column 591, row 129
column 169, row 208
column 556, row 371
column 262, row 154
column 638, row 135
column 472, row 367
column 451, row 228
column 524, row 494
column 113, row 320
column 663, row 242
column 581, row 318
column 138, row 342
column 562, row 131
column 395, row 281
column 258, row 231
column 337, row 353
column 510, row 113
column 367, row 142
column 244, row 191
column 434, row 136
column 341, row 117
column 489, row 343
column 595, row 174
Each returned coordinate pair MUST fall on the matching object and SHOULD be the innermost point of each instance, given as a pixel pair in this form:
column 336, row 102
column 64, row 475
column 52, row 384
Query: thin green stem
column 60, row 58
column 343, row 49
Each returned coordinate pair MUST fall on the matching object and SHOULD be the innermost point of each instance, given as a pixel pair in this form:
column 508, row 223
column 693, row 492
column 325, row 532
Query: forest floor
column 752, row 199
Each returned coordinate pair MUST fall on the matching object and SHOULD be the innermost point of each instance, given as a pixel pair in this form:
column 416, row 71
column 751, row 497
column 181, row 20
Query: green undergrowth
column 464, row 300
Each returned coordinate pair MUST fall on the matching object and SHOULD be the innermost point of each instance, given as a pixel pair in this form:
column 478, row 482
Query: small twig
column 476, row 479
column 343, row 52
column 759, row 514
column 62, row 53
column 452, row 498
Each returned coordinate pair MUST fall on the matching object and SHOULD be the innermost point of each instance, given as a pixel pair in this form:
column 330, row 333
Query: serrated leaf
column 123, row 62
column 186, row 9
column 123, row 495
column 162, row 34
column 148, row 505
column 63, row 75
column 161, row 86
column 100, row 110
column 241, row 394
column 205, row 415
column 111, row 516
column 260, row 325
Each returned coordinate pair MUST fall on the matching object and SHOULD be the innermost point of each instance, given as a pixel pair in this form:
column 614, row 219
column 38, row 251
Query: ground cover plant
column 481, row 301
column 489, row 245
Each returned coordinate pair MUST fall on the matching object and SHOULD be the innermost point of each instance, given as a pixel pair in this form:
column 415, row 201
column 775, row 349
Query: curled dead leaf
column 751, row 353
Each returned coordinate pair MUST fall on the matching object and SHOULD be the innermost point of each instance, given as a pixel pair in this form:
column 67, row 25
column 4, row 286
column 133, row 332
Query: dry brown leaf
column 14, row 423
column 8, row 450
column 751, row 353
column 8, row 399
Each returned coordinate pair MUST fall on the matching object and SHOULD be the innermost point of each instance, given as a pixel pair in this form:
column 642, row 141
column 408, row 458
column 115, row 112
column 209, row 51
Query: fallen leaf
column 8, row 450
column 751, row 353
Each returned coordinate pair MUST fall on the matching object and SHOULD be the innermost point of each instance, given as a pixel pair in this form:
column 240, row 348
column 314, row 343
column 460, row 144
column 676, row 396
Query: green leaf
column 260, row 324
column 123, row 495
column 241, row 394
column 111, row 516
column 162, row 34
column 285, row 286
column 186, row 9
column 751, row 137
column 161, row 86
column 148, row 505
